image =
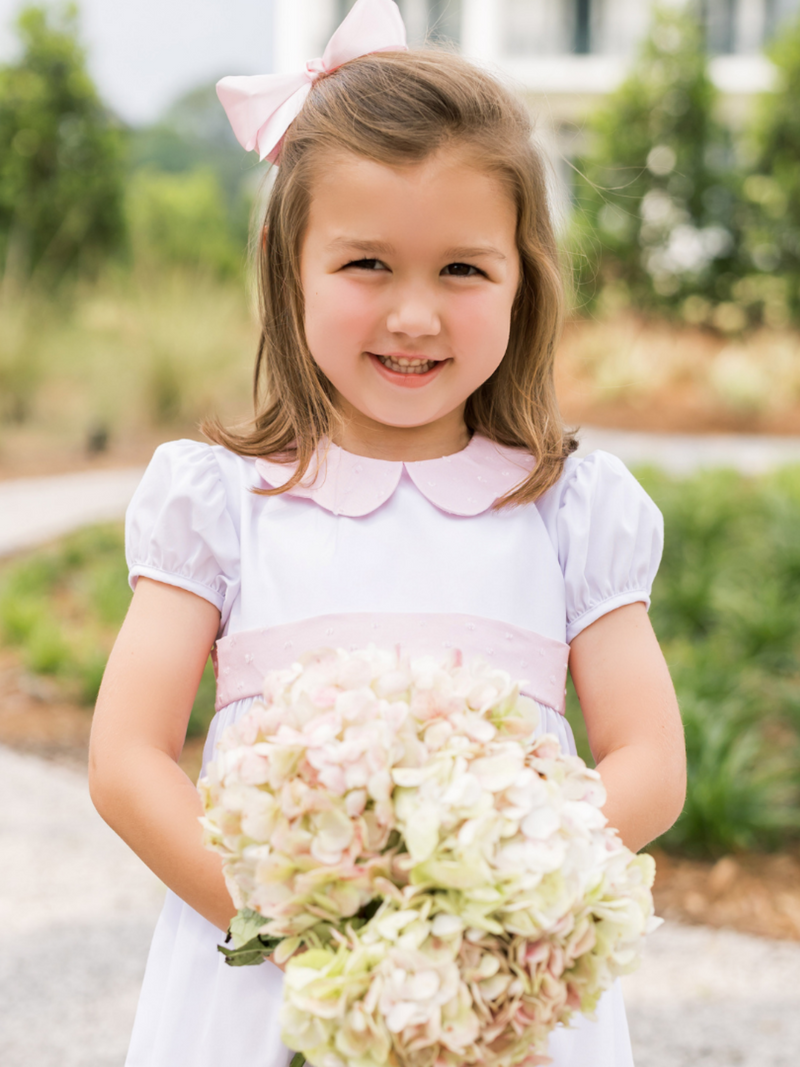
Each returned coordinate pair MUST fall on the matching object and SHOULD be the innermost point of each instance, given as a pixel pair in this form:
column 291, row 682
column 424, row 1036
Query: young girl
column 407, row 478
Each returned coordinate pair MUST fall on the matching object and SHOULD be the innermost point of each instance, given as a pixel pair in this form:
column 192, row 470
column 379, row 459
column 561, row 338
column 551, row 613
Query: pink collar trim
column 465, row 483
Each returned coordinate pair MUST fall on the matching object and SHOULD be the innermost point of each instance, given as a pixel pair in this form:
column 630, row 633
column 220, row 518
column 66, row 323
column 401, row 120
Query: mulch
column 755, row 894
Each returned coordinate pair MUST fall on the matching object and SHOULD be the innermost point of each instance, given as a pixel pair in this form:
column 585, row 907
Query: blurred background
column 672, row 132
column 672, row 139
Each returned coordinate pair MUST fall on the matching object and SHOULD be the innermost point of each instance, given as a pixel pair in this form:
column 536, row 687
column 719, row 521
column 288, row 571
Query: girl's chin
column 410, row 380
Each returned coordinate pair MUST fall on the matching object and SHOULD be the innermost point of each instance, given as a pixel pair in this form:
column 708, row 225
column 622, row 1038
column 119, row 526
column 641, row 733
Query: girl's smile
column 409, row 275
column 409, row 372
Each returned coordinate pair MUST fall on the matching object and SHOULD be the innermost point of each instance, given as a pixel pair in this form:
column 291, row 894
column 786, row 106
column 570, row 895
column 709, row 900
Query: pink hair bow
column 261, row 108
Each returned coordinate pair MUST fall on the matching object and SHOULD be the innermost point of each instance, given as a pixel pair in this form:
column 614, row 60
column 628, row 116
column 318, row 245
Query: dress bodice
column 361, row 537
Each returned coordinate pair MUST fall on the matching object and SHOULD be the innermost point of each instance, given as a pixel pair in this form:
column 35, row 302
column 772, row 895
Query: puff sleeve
column 609, row 536
column 179, row 528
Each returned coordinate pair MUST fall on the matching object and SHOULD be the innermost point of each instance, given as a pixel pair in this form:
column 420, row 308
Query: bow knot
column 261, row 109
column 315, row 67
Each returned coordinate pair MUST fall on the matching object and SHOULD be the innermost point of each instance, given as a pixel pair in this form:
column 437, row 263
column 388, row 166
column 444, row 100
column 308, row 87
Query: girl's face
column 409, row 275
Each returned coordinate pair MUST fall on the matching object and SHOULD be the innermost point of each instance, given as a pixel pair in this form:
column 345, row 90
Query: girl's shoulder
column 182, row 526
column 608, row 535
column 597, row 484
column 192, row 466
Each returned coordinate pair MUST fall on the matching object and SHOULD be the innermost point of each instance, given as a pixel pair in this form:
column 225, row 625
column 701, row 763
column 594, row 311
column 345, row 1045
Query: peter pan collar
column 464, row 483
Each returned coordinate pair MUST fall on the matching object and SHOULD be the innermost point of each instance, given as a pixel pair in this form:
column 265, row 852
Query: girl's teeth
column 408, row 366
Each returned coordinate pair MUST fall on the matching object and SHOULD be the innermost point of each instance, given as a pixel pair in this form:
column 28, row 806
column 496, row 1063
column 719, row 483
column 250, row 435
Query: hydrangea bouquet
column 447, row 875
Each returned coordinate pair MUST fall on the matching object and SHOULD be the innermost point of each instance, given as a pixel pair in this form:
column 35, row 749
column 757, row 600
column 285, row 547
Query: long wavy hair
column 398, row 108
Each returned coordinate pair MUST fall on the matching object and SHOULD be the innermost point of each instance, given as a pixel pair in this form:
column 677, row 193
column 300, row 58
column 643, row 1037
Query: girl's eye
column 462, row 270
column 366, row 264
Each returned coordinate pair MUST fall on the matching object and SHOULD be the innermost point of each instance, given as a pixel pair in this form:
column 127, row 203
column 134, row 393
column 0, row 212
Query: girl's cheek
column 485, row 317
column 348, row 306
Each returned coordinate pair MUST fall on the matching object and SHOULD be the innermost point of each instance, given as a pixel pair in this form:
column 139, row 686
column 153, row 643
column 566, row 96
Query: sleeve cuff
column 211, row 595
column 631, row 596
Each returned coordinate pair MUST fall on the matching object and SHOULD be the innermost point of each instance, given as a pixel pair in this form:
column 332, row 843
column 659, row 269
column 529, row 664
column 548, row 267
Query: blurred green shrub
column 62, row 607
column 181, row 220
column 675, row 215
column 191, row 188
column 726, row 609
column 653, row 194
column 770, row 288
column 195, row 134
column 61, row 153
column 742, row 789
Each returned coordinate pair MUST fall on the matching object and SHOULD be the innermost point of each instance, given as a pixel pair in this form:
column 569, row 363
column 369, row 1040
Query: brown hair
column 398, row 108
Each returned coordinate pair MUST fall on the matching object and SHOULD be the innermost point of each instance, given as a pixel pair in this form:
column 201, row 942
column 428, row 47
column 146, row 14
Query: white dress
column 369, row 536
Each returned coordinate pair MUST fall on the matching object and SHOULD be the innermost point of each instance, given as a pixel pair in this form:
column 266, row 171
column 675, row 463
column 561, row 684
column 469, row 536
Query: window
column 548, row 27
column 719, row 17
column 582, row 33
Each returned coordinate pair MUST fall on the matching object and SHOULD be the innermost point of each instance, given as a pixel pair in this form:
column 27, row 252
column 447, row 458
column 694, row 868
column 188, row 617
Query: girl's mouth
column 407, row 370
column 408, row 364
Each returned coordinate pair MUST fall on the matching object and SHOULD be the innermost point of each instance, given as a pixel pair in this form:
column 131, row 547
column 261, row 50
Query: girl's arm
column 633, row 722
column 138, row 732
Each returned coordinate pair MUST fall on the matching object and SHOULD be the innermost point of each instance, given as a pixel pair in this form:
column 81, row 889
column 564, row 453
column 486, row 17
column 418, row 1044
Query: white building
column 564, row 55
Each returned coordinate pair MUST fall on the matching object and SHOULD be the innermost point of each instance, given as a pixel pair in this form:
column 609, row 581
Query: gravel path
column 682, row 454
column 34, row 510
column 77, row 909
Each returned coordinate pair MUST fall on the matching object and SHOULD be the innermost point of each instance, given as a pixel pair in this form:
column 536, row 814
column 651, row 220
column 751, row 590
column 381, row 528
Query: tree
column 181, row 219
column 770, row 286
column 654, row 222
column 61, row 154
column 194, row 135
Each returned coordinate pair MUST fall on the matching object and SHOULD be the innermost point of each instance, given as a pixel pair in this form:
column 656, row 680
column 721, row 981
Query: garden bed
column 633, row 373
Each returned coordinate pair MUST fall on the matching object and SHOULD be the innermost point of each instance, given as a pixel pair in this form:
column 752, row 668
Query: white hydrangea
column 504, row 902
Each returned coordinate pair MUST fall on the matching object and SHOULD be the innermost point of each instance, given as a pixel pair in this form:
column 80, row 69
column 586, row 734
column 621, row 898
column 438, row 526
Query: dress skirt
column 195, row 1011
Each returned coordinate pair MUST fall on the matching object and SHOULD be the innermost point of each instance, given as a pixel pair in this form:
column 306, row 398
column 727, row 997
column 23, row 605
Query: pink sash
column 241, row 660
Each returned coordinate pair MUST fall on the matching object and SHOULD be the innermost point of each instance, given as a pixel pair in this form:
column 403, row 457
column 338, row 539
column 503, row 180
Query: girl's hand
column 633, row 722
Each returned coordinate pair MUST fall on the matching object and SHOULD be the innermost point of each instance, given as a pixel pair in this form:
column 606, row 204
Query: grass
column 726, row 608
column 61, row 608
column 139, row 353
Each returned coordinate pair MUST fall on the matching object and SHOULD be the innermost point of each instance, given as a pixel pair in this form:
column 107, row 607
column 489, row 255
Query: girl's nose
column 415, row 315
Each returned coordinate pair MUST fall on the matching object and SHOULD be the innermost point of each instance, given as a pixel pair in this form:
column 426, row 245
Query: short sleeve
column 178, row 526
column 609, row 536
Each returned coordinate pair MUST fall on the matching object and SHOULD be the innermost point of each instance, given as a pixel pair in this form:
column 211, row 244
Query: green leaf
column 250, row 954
column 250, row 947
column 245, row 925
